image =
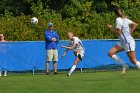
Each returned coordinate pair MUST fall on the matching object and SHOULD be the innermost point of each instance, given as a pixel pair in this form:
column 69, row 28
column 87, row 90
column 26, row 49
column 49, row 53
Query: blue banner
column 20, row 56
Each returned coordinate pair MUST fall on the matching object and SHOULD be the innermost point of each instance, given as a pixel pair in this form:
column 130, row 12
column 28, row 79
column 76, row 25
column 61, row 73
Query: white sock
column 138, row 64
column 72, row 69
column 117, row 59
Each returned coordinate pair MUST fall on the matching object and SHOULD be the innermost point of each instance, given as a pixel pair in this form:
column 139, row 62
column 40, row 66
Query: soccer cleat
column 138, row 65
column 123, row 71
column 124, row 68
column 55, row 73
column 47, row 73
column 68, row 75
column 79, row 56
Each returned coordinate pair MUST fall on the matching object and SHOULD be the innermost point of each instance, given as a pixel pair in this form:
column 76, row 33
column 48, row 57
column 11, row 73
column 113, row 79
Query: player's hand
column 53, row 39
column 62, row 56
column 109, row 27
column 63, row 46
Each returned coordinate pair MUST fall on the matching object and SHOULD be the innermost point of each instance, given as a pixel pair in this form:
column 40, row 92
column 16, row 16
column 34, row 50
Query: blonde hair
column 70, row 33
column 1, row 35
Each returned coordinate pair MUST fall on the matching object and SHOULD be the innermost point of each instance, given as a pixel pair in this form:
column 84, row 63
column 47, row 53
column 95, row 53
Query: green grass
column 96, row 82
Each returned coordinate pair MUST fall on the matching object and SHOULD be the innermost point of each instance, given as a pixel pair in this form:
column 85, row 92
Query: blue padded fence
column 20, row 56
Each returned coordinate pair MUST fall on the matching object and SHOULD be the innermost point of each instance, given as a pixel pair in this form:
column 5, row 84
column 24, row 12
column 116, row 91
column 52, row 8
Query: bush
column 86, row 19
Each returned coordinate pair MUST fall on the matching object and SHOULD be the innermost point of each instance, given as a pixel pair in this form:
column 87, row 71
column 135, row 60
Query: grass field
column 93, row 82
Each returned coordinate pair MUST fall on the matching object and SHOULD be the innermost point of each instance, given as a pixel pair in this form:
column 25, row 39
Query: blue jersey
column 49, row 44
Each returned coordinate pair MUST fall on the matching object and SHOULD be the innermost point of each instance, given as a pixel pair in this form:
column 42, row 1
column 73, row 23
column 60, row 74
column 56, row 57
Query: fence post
column 33, row 72
column 81, row 70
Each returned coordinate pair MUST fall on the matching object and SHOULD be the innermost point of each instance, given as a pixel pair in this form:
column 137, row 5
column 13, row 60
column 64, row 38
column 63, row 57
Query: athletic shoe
column 55, row 73
column 68, row 75
column 79, row 56
column 138, row 65
column 47, row 73
column 124, row 68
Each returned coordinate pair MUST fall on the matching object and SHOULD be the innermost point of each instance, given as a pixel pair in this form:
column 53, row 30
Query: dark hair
column 119, row 11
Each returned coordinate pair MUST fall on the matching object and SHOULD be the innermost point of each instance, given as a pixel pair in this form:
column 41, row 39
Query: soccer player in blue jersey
column 123, row 28
column 75, row 44
column 51, row 40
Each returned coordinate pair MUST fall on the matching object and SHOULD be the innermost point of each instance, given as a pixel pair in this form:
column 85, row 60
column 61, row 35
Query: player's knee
column 54, row 62
column 47, row 61
column 110, row 53
column 75, row 52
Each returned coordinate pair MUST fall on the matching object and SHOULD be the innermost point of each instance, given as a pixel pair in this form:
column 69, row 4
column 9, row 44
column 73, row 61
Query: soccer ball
column 34, row 20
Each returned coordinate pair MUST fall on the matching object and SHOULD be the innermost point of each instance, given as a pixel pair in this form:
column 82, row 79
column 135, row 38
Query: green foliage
column 121, row 3
column 86, row 18
column 17, row 7
column 101, row 7
column 37, row 8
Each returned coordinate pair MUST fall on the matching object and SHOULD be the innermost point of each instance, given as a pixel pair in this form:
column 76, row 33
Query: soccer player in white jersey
column 75, row 44
column 123, row 28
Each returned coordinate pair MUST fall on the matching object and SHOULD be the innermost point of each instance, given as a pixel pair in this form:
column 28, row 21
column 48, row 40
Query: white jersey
column 77, row 42
column 124, row 25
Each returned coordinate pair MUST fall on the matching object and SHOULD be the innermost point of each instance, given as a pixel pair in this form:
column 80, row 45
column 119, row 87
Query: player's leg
column 55, row 67
column 47, row 67
column 55, row 59
column 74, row 66
column 112, row 54
column 133, row 59
column 75, row 63
column 130, row 49
column 49, row 57
column 113, row 51
column 79, row 54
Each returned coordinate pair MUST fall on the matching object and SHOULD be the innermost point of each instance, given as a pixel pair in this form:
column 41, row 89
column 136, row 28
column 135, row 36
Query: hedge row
column 80, row 18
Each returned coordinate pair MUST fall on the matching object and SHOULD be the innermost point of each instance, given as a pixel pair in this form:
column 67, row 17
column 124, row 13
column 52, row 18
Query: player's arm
column 133, row 26
column 48, row 37
column 118, row 26
column 114, row 30
column 69, row 48
column 65, row 52
column 56, row 38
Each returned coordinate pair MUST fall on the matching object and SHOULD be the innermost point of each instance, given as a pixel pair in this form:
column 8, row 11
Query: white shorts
column 127, row 46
